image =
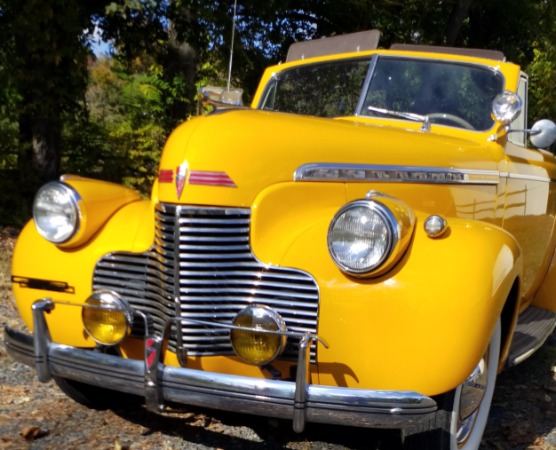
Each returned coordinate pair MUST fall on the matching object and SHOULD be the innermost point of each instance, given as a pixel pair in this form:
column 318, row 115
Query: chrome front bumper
column 160, row 384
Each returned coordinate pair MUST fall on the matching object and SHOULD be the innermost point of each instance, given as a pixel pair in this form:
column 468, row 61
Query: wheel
column 451, row 118
column 462, row 413
column 96, row 397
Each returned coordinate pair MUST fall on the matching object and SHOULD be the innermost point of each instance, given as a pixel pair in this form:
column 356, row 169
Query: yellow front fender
column 42, row 269
column 98, row 201
column 424, row 325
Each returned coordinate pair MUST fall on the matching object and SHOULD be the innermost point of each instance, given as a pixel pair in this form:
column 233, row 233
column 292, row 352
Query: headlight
column 366, row 237
column 263, row 340
column 106, row 317
column 56, row 212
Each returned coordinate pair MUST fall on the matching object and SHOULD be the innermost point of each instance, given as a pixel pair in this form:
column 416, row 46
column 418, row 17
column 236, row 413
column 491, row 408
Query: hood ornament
column 181, row 174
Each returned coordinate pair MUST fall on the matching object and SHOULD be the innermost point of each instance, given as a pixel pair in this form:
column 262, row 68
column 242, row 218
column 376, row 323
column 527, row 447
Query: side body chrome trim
column 338, row 172
column 296, row 400
column 393, row 174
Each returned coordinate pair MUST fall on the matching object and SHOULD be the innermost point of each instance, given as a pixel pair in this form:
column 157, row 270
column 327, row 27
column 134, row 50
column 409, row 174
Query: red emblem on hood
column 181, row 174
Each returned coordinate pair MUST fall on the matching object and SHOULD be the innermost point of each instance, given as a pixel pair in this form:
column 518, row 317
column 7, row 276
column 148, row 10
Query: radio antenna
column 232, row 46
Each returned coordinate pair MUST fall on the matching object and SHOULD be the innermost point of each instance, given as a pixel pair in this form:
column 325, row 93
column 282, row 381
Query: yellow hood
column 228, row 158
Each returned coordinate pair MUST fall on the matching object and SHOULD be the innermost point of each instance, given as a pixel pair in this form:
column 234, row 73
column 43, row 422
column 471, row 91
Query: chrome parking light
column 435, row 226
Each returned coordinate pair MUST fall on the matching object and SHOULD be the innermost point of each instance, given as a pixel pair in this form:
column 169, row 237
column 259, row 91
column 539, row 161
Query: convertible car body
column 368, row 244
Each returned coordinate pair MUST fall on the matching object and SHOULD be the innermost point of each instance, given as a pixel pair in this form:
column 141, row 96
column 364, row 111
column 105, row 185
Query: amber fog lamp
column 106, row 317
column 259, row 335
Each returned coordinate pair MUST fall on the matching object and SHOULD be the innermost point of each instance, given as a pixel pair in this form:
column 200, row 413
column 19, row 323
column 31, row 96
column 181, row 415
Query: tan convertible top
column 353, row 42
column 476, row 52
column 368, row 40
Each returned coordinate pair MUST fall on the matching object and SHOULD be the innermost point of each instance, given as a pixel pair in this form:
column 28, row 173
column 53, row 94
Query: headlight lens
column 367, row 236
column 261, row 342
column 106, row 317
column 56, row 212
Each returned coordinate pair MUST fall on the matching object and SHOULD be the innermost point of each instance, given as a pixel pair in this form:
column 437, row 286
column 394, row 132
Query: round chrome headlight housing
column 367, row 236
column 106, row 317
column 56, row 212
column 506, row 106
column 263, row 338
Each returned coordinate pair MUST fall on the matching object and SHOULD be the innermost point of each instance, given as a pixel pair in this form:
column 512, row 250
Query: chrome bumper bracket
column 41, row 337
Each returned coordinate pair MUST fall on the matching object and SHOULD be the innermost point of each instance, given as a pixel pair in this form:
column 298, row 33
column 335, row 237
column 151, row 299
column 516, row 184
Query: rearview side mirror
column 543, row 133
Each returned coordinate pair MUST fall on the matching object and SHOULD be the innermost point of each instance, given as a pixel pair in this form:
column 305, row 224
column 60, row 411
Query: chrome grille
column 203, row 255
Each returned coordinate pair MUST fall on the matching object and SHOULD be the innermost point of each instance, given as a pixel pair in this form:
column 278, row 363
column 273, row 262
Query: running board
column 534, row 326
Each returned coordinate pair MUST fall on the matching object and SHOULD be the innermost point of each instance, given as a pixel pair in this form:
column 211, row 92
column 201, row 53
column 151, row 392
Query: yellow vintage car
column 368, row 244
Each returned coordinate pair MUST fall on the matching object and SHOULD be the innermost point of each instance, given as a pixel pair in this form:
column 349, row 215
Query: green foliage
column 542, row 77
column 123, row 136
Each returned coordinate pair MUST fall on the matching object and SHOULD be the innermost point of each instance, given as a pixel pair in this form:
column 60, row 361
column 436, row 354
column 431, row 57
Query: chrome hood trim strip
column 333, row 172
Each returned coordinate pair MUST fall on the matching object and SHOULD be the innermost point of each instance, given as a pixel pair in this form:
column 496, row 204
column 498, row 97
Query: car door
column 530, row 200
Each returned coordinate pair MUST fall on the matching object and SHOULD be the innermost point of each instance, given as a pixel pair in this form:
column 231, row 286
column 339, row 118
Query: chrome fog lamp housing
column 56, row 212
column 106, row 317
column 367, row 237
column 258, row 336
column 506, row 106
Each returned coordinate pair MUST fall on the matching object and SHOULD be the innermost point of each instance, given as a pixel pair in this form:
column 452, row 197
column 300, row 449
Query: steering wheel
column 452, row 118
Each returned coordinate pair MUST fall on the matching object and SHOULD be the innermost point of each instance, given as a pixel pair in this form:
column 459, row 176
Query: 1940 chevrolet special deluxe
column 368, row 244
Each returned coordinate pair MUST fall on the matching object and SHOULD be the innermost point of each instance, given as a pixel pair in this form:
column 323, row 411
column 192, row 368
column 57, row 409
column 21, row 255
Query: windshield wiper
column 403, row 115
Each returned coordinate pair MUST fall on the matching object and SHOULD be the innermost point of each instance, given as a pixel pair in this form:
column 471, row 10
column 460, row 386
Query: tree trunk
column 459, row 14
column 39, row 156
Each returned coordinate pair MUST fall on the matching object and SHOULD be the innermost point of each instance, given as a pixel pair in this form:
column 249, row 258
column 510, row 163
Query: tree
column 45, row 62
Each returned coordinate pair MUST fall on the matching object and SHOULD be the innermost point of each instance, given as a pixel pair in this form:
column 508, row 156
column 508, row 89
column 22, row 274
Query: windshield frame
column 372, row 59
column 361, row 111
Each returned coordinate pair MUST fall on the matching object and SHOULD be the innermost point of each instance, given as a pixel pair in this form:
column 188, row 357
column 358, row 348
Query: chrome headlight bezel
column 381, row 248
column 57, row 221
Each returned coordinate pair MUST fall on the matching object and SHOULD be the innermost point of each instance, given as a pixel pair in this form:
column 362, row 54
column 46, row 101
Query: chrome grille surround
column 201, row 267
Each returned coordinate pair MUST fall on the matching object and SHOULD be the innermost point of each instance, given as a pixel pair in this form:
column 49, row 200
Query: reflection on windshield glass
column 325, row 90
column 447, row 93
column 452, row 94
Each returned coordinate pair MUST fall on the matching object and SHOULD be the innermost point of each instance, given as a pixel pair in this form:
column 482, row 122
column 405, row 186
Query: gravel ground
column 34, row 415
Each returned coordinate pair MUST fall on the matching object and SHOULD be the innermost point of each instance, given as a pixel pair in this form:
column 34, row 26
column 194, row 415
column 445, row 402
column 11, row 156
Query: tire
column 445, row 431
column 96, row 397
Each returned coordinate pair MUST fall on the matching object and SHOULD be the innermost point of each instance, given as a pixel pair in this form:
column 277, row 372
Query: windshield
column 445, row 92
column 329, row 89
